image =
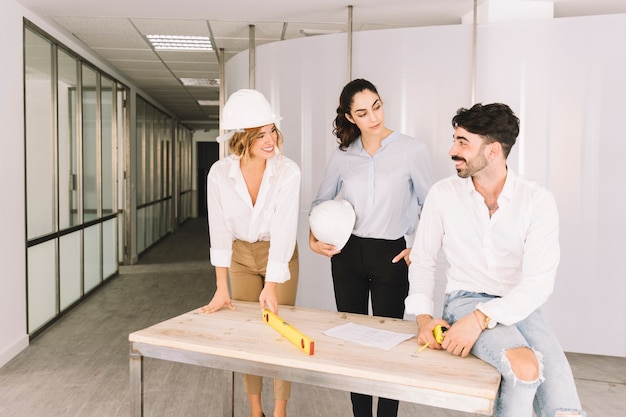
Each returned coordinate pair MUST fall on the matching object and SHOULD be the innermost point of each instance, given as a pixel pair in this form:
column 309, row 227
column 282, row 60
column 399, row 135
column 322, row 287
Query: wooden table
column 240, row 341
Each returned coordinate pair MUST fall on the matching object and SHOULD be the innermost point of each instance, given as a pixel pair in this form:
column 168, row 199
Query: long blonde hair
column 240, row 143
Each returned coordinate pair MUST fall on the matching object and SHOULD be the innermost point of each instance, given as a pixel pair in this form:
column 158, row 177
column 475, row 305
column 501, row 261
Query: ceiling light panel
column 201, row 82
column 180, row 43
column 209, row 102
column 190, row 57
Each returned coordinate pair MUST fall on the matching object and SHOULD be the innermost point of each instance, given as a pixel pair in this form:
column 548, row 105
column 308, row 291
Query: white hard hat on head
column 246, row 109
column 332, row 222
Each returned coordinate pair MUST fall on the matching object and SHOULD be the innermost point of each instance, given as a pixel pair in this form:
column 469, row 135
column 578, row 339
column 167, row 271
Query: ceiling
column 116, row 31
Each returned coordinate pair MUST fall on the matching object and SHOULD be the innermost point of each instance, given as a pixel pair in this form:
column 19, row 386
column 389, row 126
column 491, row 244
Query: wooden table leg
column 136, row 384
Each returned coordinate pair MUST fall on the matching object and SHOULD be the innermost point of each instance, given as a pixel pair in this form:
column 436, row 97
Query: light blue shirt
column 513, row 254
column 386, row 190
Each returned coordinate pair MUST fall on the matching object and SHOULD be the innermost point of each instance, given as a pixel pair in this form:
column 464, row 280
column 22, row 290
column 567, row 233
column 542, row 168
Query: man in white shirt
column 499, row 233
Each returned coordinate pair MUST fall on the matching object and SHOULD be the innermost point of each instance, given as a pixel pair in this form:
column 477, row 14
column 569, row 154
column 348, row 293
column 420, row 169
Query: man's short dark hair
column 495, row 122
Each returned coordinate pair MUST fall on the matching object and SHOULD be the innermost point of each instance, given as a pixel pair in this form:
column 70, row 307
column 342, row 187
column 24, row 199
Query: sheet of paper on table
column 368, row 336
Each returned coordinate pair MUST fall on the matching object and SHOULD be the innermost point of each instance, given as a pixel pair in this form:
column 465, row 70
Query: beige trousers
column 247, row 277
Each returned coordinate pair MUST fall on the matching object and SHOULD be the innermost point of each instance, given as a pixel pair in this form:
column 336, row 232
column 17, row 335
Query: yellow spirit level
column 288, row 331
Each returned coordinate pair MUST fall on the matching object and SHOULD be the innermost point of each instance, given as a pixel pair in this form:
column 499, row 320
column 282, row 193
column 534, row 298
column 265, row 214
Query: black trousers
column 363, row 269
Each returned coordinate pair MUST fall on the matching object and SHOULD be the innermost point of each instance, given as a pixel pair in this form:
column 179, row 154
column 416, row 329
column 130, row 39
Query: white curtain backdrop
column 563, row 77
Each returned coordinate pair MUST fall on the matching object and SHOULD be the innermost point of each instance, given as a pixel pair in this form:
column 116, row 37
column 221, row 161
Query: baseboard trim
column 13, row 350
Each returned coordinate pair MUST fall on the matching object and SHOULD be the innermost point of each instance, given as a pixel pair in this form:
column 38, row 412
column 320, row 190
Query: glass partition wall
column 157, row 212
column 163, row 174
column 74, row 117
column 184, row 183
column 41, row 163
column 78, row 155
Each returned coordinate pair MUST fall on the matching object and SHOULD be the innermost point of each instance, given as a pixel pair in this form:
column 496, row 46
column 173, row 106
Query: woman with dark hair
column 385, row 176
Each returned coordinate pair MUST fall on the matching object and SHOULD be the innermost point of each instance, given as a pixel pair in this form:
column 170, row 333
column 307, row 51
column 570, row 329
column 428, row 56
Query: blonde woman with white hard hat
column 253, row 201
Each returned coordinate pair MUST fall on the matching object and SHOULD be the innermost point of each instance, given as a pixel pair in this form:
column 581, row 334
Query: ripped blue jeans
column 553, row 393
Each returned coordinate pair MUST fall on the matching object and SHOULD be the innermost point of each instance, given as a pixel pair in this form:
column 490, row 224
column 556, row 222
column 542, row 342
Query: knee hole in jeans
column 524, row 363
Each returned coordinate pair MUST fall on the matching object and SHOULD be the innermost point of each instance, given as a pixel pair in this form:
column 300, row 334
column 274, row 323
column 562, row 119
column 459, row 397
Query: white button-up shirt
column 273, row 218
column 514, row 254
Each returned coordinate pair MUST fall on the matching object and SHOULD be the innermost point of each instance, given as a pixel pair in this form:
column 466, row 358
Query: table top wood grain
column 240, row 340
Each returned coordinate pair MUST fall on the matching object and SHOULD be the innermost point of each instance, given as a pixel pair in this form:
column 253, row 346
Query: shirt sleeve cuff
column 493, row 310
column 277, row 272
column 410, row 239
column 417, row 304
column 221, row 257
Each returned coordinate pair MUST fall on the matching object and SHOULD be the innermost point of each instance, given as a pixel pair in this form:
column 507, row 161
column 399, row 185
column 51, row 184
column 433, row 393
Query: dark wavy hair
column 346, row 131
column 495, row 122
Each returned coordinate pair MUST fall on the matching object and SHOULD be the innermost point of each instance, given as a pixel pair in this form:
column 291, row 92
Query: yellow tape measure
column 292, row 334
column 439, row 333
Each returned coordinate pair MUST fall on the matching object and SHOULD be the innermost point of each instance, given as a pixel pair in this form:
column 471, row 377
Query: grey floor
column 79, row 365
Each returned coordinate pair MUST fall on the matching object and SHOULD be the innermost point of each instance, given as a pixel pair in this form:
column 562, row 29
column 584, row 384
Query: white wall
column 562, row 77
column 13, row 337
column 565, row 78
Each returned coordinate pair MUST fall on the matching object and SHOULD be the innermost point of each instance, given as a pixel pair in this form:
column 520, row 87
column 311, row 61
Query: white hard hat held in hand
column 332, row 222
column 246, row 109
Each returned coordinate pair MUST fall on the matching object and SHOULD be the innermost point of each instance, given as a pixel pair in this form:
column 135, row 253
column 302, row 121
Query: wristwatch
column 489, row 323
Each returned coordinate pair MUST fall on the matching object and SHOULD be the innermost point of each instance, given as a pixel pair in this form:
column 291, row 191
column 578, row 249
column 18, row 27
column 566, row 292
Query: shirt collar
column 509, row 183
column 270, row 168
column 357, row 145
column 507, row 189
